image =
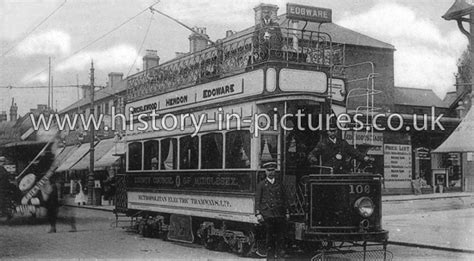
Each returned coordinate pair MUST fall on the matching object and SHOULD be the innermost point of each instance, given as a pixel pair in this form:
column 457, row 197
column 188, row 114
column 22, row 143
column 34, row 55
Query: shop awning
column 461, row 140
column 65, row 153
column 100, row 150
column 74, row 157
column 107, row 160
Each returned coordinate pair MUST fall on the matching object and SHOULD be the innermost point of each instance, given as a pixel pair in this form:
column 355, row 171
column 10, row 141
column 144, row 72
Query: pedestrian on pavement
column 50, row 198
column 272, row 209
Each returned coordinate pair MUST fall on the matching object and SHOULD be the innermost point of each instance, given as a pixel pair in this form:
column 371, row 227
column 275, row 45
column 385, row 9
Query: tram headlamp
column 364, row 206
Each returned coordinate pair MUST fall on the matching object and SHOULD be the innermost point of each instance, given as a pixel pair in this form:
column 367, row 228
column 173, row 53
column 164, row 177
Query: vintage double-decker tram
column 193, row 166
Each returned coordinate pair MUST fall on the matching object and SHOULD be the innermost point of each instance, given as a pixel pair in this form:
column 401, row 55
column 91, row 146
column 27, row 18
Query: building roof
column 458, row 141
column 450, row 98
column 339, row 34
column 98, row 95
column 417, row 97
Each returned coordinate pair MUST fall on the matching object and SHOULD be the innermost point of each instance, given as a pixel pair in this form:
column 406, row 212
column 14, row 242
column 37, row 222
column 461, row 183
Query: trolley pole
column 90, row 177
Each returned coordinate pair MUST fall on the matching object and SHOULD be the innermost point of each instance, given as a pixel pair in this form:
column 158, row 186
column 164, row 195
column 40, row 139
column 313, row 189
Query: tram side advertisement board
column 214, row 206
column 234, row 87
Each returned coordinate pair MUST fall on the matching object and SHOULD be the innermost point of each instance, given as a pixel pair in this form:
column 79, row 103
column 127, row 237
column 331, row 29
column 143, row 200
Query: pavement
column 437, row 221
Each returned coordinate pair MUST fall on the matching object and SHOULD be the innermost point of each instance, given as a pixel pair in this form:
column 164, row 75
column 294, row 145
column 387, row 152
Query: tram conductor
column 335, row 153
column 272, row 209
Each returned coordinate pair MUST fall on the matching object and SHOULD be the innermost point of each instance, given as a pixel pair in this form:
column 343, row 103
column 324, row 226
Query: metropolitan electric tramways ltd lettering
column 219, row 91
column 185, row 200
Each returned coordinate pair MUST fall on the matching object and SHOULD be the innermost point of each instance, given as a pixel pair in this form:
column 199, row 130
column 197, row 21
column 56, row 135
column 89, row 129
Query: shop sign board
column 397, row 165
column 374, row 140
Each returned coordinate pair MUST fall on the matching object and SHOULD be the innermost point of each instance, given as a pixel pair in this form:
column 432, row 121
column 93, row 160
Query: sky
column 74, row 32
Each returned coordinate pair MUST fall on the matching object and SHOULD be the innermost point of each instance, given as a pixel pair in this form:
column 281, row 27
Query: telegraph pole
column 49, row 83
column 90, row 178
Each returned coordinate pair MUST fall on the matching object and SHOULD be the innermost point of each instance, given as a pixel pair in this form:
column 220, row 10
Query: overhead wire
column 98, row 39
column 34, row 87
column 141, row 45
column 34, row 28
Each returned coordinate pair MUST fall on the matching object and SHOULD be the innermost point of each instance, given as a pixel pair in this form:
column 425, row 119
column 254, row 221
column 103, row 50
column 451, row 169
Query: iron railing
column 237, row 54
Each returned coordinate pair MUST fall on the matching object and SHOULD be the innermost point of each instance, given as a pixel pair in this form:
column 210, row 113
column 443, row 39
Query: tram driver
column 335, row 153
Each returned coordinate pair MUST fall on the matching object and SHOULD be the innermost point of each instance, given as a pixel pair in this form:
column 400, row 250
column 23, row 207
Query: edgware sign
column 308, row 13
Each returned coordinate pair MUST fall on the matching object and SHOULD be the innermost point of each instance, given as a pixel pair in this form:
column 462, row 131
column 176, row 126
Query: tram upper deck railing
column 238, row 53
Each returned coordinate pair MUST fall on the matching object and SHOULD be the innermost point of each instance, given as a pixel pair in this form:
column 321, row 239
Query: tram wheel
column 209, row 242
column 244, row 249
column 261, row 248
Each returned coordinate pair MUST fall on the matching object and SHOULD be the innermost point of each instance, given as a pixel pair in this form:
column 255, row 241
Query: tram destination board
column 217, row 181
column 308, row 13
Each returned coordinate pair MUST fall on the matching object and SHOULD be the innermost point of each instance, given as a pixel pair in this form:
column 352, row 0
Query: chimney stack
column 86, row 91
column 13, row 111
column 114, row 79
column 263, row 10
column 198, row 42
column 229, row 33
column 3, row 116
column 151, row 59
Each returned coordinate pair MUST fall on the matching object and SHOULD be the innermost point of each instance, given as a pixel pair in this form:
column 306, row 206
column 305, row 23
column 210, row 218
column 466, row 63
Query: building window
column 169, row 154
column 150, row 155
column 237, row 149
column 135, row 156
column 188, row 152
column 106, row 108
column 211, row 151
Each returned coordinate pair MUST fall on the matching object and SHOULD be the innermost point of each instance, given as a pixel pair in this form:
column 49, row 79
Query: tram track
column 416, row 245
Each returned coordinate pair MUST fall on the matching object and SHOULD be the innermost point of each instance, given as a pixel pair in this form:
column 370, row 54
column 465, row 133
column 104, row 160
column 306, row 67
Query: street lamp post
column 90, row 177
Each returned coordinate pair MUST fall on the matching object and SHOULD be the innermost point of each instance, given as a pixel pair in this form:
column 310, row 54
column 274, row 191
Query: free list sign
column 308, row 13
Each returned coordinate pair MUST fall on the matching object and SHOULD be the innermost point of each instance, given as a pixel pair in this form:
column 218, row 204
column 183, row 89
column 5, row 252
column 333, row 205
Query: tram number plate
column 359, row 189
column 181, row 229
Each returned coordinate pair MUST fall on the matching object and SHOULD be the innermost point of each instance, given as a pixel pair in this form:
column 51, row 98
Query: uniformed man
column 272, row 209
column 335, row 153
column 267, row 37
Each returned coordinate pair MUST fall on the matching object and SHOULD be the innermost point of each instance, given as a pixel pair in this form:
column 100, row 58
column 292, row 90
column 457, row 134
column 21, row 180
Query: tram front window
column 188, row 152
column 150, row 155
column 135, row 156
column 211, row 151
column 168, row 154
column 237, row 150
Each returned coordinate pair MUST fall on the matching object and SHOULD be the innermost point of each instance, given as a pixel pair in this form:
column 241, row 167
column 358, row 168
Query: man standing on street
column 272, row 209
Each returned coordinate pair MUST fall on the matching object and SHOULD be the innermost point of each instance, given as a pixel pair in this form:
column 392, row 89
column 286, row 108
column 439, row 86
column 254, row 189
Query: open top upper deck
column 284, row 45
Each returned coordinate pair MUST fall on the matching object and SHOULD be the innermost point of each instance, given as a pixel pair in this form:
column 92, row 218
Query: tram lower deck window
column 169, row 154
column 211, row 151
column 268, row 148
column 135, row 156
column 150, row 155
column 237, row 149
column 188, row 152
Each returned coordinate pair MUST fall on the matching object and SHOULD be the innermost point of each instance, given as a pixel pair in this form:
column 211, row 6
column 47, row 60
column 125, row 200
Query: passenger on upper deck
column 267, row 38
column 335, row 153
